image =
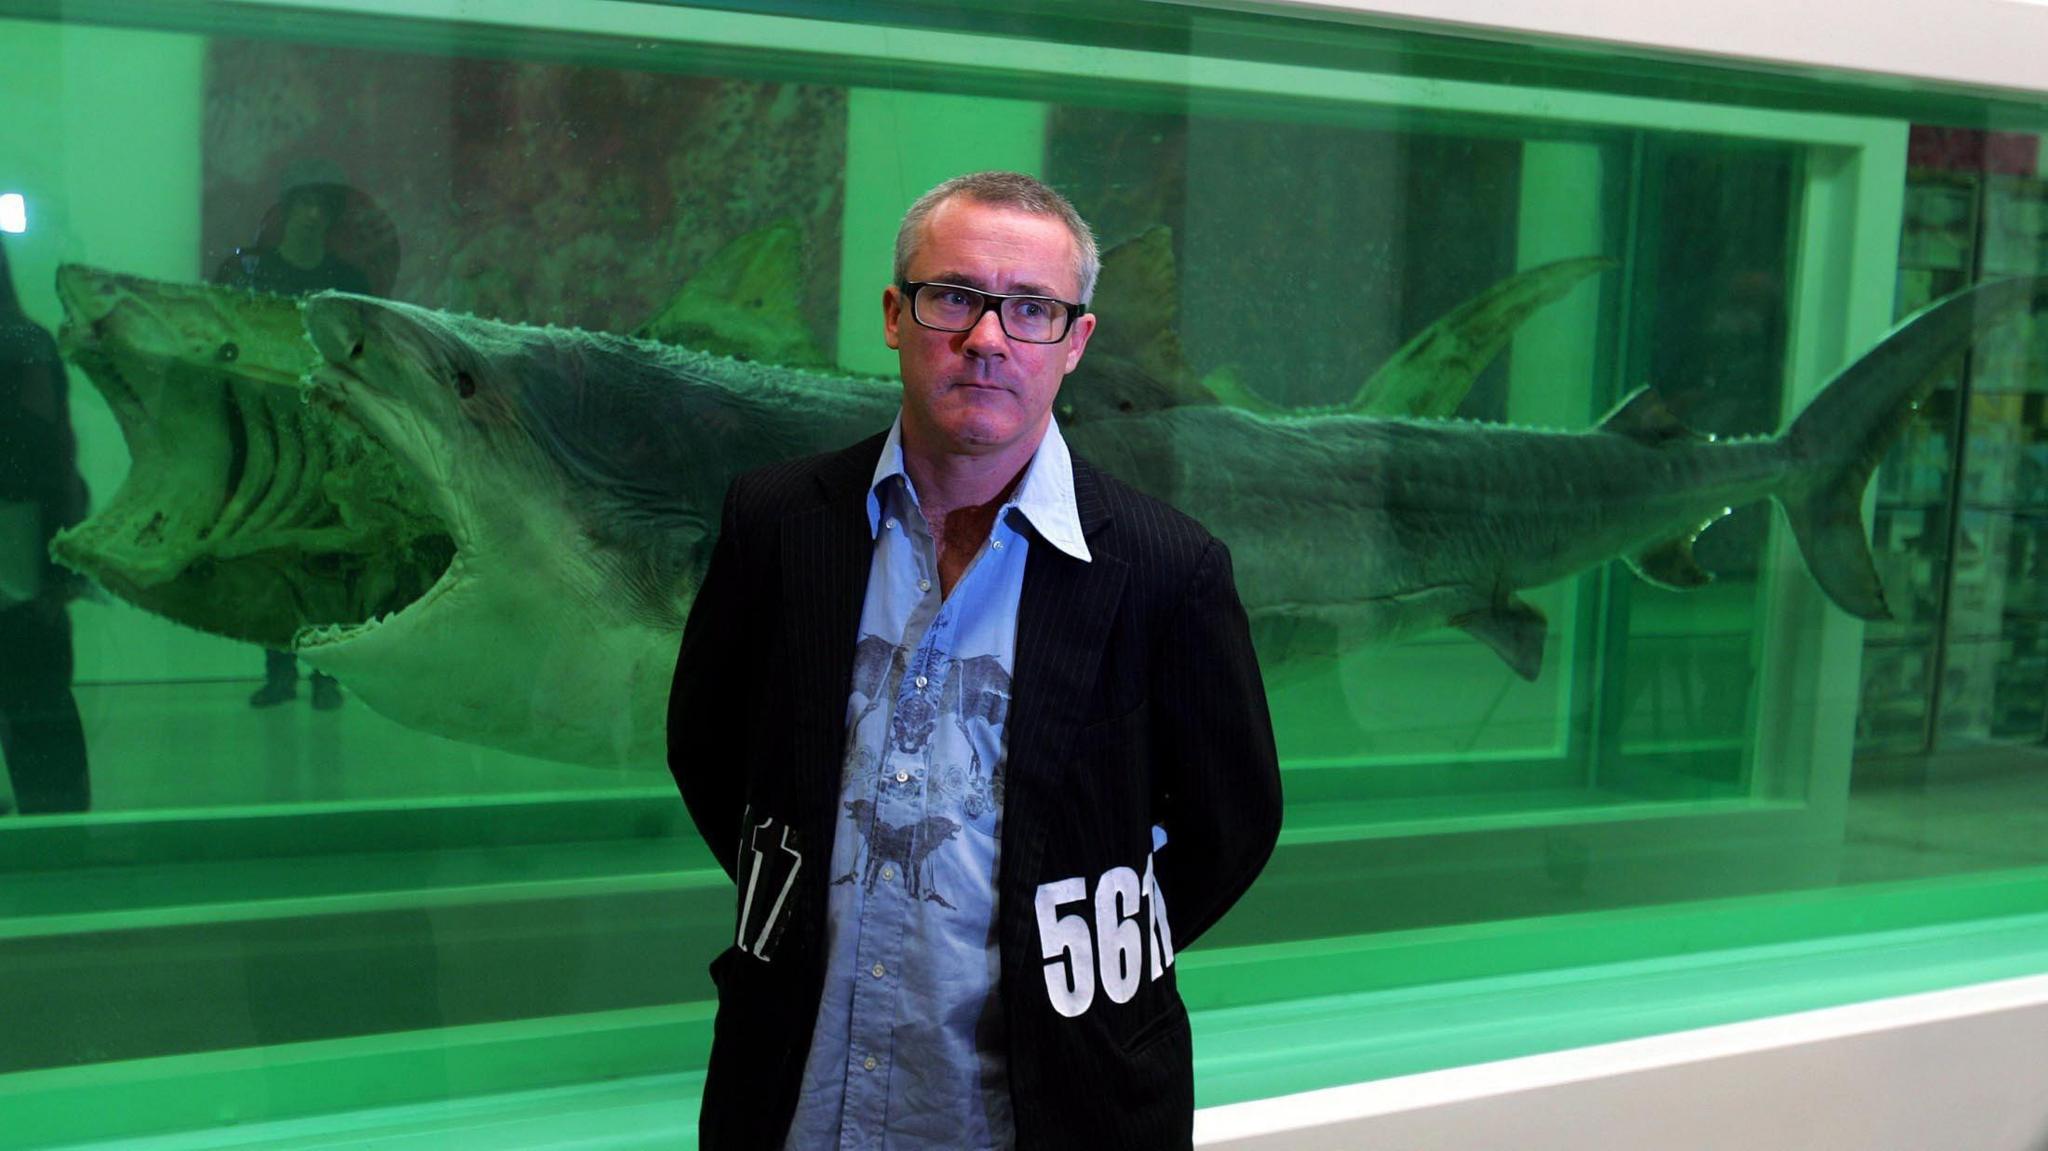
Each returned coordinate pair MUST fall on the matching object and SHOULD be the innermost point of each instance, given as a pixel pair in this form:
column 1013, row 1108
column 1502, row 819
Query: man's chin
column 989, row 436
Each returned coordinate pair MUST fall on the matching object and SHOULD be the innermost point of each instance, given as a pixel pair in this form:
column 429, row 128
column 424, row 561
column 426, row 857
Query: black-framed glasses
column 957, row 308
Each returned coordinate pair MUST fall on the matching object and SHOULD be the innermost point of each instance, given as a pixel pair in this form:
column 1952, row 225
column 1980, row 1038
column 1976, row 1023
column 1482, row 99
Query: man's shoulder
column 25, row 344
column 1146, row 532
column 787, row 487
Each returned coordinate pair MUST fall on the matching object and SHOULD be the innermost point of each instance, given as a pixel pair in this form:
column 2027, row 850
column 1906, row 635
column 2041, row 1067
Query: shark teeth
column 329, row 634
column 318, row 636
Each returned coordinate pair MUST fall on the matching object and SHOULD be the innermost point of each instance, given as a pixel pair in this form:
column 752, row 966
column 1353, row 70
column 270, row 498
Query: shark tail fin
column 1828, row 523
column 1838, row 441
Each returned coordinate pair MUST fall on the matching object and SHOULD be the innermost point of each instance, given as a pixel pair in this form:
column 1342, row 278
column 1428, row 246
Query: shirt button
column 869, row 1063
column 924, row 585
column 879, row 970
column 901, row 777
column 996, row 544
column 921, row 681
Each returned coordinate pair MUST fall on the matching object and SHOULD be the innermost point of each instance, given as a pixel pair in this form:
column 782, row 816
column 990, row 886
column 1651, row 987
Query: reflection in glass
column 1308, row 228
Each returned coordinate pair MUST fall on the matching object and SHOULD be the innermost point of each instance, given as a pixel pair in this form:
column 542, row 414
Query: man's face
column 305, row 221
column 979, row 392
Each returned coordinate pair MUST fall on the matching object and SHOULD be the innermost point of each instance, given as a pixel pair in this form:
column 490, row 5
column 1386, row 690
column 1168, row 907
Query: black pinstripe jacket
column 1136, row 701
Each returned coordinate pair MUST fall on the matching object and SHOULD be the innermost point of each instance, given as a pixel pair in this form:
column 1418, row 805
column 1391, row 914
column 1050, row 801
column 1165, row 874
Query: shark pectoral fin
column 1287, row 637
column 1644, row 417
column 1671, row 564
column 1514, row 629
column 1828, row 523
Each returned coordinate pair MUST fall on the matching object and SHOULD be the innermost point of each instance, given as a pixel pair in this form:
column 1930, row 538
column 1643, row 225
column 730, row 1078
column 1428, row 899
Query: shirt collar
column 1045, row 496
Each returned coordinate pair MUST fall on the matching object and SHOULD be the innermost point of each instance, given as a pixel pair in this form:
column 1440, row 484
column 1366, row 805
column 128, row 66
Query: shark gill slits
column 465, row 385
column 228, row 352
column 233, row 417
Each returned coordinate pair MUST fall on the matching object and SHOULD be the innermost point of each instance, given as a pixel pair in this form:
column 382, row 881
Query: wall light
column 13, row 213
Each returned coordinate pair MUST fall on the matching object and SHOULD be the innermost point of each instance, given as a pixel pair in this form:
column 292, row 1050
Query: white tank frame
column 1587, row 1097
column 1975, row 44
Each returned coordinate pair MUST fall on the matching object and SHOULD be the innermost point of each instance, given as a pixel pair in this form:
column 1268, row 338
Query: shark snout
column 337, row 325
column 87, row 294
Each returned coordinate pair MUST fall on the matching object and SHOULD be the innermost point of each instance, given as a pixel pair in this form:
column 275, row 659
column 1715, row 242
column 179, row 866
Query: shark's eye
column 465, row 385
column 227, row 353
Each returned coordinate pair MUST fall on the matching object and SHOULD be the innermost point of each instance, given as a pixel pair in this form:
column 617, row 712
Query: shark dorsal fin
column 1138, row 294
column 1644, row 417
column 1134, row 364
column 1232, row 392
column 744, row 303
column 1430, row 375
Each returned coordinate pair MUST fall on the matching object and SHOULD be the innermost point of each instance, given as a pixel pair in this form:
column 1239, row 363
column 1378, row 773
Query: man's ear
column 891, row 312
column 1077, row 340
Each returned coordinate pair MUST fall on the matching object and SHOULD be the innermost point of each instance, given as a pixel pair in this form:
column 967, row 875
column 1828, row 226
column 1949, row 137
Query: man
column 963, row 718
column 41, row 492
column 300, row 260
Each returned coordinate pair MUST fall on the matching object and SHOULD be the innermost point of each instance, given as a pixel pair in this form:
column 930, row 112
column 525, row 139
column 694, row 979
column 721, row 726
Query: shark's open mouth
column 248, row 511
column 315, row 638
column 436, row 553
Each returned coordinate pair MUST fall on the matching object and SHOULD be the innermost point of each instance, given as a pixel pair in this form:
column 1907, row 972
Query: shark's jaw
column 510, row 648
column 380, row 413
column 244, row 513
column 499, row 656
column 328, row 646
column 420, row 455
column 514, row 645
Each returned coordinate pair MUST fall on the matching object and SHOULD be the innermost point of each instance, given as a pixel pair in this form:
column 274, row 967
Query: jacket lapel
column 1063, row 620
column 826, row 553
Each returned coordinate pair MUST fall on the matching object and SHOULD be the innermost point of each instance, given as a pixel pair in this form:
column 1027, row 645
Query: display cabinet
column 394, row 920
column 1960, row 502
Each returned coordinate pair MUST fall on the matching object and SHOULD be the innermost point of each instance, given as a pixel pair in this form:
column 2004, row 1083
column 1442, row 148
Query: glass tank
column 335, row 802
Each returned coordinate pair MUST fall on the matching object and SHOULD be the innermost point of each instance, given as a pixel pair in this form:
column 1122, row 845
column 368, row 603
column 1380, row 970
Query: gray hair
column 1002, row 190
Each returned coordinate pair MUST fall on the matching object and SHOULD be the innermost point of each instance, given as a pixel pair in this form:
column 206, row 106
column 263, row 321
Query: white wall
column 1951, row 1069
column 1979, row 43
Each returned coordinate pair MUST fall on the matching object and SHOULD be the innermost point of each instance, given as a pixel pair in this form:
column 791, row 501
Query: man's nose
column 986, row 337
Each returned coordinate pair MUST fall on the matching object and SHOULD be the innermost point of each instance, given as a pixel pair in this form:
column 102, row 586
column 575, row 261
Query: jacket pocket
column 1131, row 730
column 1171, row 1021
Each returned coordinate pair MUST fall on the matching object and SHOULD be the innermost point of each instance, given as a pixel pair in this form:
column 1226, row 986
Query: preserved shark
column 493, row 532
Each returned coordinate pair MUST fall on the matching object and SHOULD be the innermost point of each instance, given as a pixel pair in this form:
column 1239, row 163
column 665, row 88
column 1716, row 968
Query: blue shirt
column 909, row 1049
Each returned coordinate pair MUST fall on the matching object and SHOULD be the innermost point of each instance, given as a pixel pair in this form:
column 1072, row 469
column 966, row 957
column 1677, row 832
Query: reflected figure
column 298, row 251
column 292, row 255
column 41, row 492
